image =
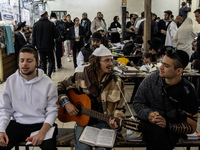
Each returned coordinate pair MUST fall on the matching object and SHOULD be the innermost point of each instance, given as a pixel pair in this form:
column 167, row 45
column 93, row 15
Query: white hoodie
column 28, row 102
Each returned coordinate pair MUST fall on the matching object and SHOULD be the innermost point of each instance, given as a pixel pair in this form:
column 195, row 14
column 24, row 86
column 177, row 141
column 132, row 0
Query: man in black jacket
column 44, row 33
column 184, row 10
column 86, row 23
column 76, row 35
column 163, row 25
column 20, row 39
column 86, row 51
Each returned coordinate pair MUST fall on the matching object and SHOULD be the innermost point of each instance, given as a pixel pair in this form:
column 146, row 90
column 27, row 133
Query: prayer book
column 48, row 135
column 98, row 137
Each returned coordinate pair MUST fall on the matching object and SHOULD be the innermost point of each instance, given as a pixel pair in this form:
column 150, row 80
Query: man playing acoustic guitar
column 98, row 83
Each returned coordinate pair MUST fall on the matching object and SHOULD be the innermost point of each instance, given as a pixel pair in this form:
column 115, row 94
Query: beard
column 93, row 47
column 27, row 73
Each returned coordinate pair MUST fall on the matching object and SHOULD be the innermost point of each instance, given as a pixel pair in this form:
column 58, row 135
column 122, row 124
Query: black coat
column 72, row 35
column 86, row 27
column 44, row 33
column 115, row 25
column 20, row 40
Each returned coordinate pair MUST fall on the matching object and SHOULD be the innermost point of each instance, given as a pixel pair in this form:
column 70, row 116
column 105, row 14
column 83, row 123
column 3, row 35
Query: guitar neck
column 94, row 114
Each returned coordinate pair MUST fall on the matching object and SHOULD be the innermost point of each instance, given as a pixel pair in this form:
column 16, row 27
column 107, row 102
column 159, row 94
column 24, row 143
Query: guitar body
column 76, row 99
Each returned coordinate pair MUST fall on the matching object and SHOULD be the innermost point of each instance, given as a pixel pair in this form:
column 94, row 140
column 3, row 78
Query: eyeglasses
column 107, row 61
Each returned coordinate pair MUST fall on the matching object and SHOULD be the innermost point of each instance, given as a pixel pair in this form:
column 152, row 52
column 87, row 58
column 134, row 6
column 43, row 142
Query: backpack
column 128, row 48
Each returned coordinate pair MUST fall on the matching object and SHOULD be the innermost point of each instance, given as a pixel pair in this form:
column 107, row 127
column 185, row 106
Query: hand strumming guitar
column 71, row 109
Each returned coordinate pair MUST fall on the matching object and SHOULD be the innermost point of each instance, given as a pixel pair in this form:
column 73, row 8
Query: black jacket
column 115, row 25
column 72, row 35
column 86, row 27
column 68, row 25
column 86, row 51
column 44, row 33
column 183, row 12
column 20, row 40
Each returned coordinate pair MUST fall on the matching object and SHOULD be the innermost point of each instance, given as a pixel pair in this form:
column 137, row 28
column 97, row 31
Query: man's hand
column 163, row 32
column 36, row 139
column 113, row 123
column 156, row 118
column 3, row 139
column 71, row 109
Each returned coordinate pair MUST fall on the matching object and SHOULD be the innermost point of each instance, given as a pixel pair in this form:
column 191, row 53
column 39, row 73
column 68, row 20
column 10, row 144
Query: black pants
column 76, row 49
column 43, row 60
column 58, row 53
column 18, row 133
column 158, row 138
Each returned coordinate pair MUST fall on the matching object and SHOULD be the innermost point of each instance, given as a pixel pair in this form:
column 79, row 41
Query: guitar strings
column 132, row 117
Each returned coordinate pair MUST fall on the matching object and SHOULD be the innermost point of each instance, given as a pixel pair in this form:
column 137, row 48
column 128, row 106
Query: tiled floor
column 68, row 70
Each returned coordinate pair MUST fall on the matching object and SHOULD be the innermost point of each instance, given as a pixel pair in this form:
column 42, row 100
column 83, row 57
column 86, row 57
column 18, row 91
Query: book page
column 89, row 135
column 48, row 135
column 106, row 138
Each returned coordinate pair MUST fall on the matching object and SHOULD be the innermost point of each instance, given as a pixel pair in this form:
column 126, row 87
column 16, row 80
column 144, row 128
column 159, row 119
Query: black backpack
column 128, row 48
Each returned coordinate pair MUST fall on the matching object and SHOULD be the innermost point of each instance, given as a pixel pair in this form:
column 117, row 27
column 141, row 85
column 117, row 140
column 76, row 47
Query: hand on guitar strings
column 113, row 123
column 71, row 109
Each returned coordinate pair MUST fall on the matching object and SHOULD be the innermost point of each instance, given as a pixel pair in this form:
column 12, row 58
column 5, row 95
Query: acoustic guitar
column 83, row 104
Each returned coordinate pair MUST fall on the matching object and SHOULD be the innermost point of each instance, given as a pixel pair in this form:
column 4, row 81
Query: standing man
column 20, row 37
column 97, row 23
column 163, row 24
column 184, row 10
column 58, row 41
column 98, row 83
column 76, row 34
column 44, row 33
column 86, row 51
column 29, row 97
column 86, row 24
column 166, row 103
column 67, row 43
column 171, row 31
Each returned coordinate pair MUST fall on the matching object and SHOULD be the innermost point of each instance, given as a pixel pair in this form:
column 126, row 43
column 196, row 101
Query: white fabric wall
column 111, row 8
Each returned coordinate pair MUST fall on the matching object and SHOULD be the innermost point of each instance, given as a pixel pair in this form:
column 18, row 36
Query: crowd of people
column 165, row 102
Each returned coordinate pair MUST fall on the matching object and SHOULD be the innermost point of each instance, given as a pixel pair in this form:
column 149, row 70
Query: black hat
column 53, row 15
column 181, row 55
column 183, row 3
column 169, row 12
column 21, row 24
column 155, row 42
column 96, row 36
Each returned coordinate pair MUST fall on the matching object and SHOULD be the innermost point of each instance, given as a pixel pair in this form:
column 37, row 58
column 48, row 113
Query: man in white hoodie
column 29, row 97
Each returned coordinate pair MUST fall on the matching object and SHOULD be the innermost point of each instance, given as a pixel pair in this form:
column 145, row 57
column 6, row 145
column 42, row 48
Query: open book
column 98, row 137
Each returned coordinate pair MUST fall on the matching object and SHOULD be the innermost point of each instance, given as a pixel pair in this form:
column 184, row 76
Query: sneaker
column 68, row 59
column 71, row 55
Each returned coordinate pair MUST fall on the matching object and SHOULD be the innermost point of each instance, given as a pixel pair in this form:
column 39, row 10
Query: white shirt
column 80, row 59
column 139, row 22
column 28, row 102
column 77, row 33
column 171, row 31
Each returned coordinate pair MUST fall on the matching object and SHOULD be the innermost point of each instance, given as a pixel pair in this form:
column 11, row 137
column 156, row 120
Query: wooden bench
column 65, row 139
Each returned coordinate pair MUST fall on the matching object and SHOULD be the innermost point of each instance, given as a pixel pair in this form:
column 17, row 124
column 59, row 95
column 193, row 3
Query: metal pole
column 20, row 11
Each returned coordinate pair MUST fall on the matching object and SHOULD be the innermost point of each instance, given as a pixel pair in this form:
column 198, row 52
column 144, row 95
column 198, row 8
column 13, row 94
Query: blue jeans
column 82, row 146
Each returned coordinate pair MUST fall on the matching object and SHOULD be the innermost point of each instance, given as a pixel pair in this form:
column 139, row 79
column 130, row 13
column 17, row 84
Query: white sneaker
column 68, row 59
